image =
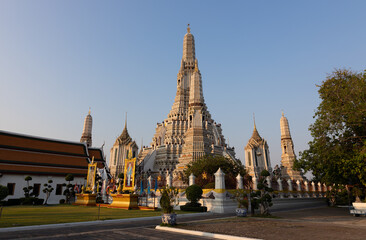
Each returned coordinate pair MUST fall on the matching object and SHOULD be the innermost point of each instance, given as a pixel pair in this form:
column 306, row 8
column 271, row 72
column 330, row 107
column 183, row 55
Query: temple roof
column 124, row 138
column 22, row 154
column 256, row 135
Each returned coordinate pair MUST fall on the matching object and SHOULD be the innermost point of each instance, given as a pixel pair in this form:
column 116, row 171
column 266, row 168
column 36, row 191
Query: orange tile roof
column 22, row 154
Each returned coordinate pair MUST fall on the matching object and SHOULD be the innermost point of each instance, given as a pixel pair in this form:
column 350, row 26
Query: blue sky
column 58, row 58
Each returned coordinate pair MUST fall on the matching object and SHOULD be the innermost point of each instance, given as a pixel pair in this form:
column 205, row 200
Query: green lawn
column 13, row 216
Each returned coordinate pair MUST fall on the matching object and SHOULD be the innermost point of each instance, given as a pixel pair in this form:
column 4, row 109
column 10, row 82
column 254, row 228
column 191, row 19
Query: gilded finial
column 254, row 120
column 188, row 29
column 282, row 113
column 196, row 66
column 130, row 154
column 89, row 111
column 93, row 160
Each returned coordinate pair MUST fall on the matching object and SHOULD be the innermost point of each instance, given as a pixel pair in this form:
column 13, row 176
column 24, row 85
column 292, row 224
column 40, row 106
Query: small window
column 249, row 159
column 11, row 188
column 36, row 189
column 285, row 149
column 59, row 189
column 133, row 154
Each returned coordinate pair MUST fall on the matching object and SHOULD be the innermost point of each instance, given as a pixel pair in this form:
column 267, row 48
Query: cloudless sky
column 58, row 58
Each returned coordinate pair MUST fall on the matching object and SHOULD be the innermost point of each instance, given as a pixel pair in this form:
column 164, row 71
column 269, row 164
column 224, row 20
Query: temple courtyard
column 311, row 223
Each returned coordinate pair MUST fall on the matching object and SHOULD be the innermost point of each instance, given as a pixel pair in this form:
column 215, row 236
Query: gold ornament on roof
column 204, row 175
column 159, row 178
column 130, row 154
column 188, row 29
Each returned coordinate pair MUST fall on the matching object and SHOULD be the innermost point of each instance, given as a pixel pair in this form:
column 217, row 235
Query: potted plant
column 243, row 203
column 167, row 202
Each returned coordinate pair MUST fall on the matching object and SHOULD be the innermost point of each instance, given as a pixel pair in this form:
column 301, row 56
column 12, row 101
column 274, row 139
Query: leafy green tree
column 205, row 168
column 194, row 194
column 261, row 198
column 4, row 192
column 27, row 190
column 169, row 199
column 337, row 153
column 47, row 190
column 69, row 191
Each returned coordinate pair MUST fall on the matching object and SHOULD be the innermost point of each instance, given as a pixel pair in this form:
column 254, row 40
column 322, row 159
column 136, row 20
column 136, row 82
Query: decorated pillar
column 289, row 182
column 192, row 179
column 169, row 180
column 269, row 183
column 149, row 180
column 279, row 181
column 313, row 186
column 219, row 179
column 298, row 185
column 290, row 189
column 255, row 183
column 239, row 180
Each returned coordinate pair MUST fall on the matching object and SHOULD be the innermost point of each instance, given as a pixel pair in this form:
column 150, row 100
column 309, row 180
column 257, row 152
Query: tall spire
column 188, row 48
column 285, row 128
column 255, row 134
column 254, row 121
column 195, row 91
column 86, row 136
column 124, row 138
column 288, row 154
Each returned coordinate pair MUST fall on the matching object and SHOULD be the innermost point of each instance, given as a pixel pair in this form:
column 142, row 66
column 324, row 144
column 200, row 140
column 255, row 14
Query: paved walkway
column 138, row 228
column 114, row 229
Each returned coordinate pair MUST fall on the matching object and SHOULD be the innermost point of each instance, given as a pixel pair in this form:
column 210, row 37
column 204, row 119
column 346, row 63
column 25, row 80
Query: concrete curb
column 203, row 234
column 97, row 222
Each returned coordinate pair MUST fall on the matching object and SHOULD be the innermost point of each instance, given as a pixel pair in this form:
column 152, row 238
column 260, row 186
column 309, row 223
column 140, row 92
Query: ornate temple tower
column 120, row 150
column 288, row 154
column 86, row 136
column 257, row 155
column 188, row 132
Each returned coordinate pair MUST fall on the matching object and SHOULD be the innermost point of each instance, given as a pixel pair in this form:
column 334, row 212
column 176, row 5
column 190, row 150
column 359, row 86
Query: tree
column 261, row 198
column 47, row 190
column 205, row 168
column 4, row 192
column 194, row 194
column 337, row 153
column 27, row 190
column 69, row 191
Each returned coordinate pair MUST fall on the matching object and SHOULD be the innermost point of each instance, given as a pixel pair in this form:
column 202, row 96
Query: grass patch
column 14, row 216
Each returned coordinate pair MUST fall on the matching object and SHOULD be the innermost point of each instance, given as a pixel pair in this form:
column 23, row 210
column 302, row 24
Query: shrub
column 261, row 198
column 28, row 200
column 168, row 199
column 193, row 209
column 38, row 201
column 241, row 198
column 13, row 201
column 4, row 192
column 194, row 193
